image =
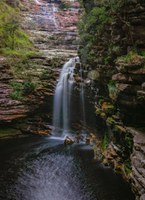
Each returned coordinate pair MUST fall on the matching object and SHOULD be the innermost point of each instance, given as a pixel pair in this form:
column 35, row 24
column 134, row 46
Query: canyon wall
column 27, row 84
column 113, row 49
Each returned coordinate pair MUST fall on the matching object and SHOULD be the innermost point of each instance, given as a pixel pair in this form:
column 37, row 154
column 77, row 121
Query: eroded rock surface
column 138, row 161
column 53, row 32
column 117, row 54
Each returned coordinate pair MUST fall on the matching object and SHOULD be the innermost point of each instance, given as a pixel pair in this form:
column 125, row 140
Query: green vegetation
column 14, row 41
column 127, row 167
column 97, row 29
column 7, row 132
column 113, row 91
column 16, row 45
column 131, row 57
column 110, row 121
column 142, row 53
column 28, row 87
column 64, row 6
column 23, row 54
column 20, row 90
column 90, row 28
column 17, row 90
column 105, row 142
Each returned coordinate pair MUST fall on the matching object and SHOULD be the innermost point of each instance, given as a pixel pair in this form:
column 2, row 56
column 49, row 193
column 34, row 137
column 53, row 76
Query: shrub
column 20, row 90
column 17, row 93
column 113, row 91
column 28, row 87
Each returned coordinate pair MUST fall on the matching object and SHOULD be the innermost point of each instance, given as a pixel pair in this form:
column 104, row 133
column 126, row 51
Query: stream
column 41, row 168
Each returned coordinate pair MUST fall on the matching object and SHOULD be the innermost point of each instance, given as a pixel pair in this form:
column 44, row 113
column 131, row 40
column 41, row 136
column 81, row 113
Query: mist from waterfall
column 82, row 96
column 63, row 98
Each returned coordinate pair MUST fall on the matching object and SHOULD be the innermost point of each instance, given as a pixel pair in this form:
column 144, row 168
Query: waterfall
column 62, row 97
column 82, row 96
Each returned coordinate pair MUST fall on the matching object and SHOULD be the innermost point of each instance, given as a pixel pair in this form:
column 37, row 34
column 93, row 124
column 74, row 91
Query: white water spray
column 82, row 96
column 62, row 98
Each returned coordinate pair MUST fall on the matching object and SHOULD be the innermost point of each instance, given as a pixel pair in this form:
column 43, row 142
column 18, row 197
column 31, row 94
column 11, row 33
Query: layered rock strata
column 117, row 56
column 51, row 26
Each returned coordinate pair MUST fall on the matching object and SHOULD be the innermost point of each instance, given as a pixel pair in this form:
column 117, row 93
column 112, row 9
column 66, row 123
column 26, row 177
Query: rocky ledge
column 130, row 88
column 138, row 162
column 27, row 87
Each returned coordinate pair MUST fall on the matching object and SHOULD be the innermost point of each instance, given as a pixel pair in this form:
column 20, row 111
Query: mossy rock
column 94, row 75
column 107, row 107
column 110, row 121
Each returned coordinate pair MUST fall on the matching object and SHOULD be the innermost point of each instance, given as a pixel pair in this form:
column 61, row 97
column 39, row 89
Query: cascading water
column 62, row 98
column 82, row 96
column 71, row 102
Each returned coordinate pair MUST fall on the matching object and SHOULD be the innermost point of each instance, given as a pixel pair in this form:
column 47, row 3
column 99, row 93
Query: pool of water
column 38, row 168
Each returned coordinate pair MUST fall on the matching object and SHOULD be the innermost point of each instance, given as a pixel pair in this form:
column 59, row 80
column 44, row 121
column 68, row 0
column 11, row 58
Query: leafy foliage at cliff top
column 14, row 41
column 96, row 29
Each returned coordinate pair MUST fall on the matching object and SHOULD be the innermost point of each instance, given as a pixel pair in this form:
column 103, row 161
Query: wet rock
column 91, row 139
column 94, row 75
column 143, row 86
column 68, row 140
column 127, row 67
column 123, row 78
column 137, row 159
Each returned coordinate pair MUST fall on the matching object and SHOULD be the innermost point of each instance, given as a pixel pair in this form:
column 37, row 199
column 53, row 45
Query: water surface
column 38, row 168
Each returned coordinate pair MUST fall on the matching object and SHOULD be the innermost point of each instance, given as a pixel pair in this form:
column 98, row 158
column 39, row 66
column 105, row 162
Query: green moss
column 110, row 121
column 18, row 53
column 113, row 91
column 64, row 6
column 95, row 27
column 17, row 93
column 105, row 142
column 98, row 111
column 142, row 53
column 127, row 167
column 21, row 90
column 28, row 87
column 90, row 28
column 7, row 132
column 14, row 41
column 131, row 57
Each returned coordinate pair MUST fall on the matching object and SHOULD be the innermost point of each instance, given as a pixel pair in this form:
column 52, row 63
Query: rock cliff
column 112, row 36
column 27, row 86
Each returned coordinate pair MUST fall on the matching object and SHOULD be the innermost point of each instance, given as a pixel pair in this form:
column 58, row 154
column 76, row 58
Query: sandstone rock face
column 9, row 109
column 52, row 29
column 129, row 80
column 118, row 56
column 138, row 161
column 130, row 91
